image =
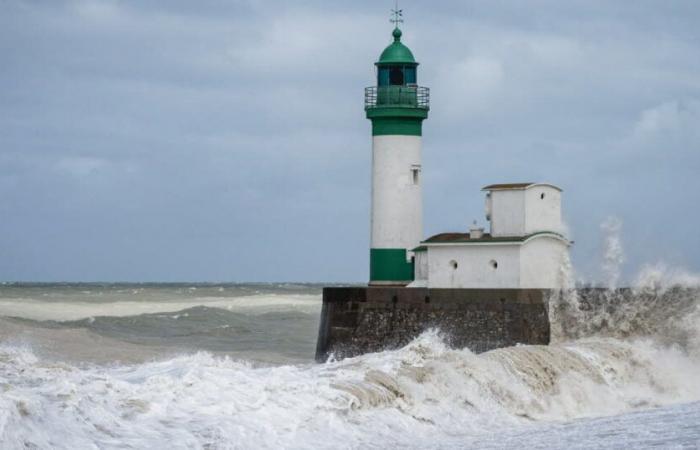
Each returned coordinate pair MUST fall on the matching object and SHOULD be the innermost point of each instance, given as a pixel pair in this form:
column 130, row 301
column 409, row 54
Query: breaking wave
column 425, row 388
column 264, row 328
column 637, row 349
column 74, row 309
column 614, row 351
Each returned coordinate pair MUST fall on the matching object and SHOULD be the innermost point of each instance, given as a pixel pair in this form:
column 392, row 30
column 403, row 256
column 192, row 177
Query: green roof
column 396, row 53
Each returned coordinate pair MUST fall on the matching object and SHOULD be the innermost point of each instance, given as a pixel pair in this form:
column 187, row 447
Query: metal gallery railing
column 397, row 96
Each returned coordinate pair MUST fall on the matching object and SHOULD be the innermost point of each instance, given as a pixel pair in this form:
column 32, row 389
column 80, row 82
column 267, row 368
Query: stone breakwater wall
column 357, row 320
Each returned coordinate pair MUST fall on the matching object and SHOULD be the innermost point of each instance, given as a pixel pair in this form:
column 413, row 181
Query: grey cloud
column 226, row 140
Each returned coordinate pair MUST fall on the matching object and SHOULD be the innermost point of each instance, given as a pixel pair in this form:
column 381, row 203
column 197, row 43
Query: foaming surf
column 621, row 371
column 421, row 395
column 77, row 309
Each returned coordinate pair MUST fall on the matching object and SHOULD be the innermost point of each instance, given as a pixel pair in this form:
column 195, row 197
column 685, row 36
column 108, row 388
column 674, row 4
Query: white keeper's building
column 525, row 247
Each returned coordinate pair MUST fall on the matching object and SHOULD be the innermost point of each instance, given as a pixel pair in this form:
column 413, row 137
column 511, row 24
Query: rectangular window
column 409, row 75
column 383, row 76
column 415, row 174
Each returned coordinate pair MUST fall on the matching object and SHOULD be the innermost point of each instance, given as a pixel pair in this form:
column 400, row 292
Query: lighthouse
column 397, row 107
column 483, row 288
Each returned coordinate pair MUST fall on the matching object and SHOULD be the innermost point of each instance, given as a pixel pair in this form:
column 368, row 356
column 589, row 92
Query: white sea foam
column 422, row 395
column 615, row 359
column 65, row 310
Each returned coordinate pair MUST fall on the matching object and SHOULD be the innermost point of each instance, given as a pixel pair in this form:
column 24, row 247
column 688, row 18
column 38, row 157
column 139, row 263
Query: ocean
column 219, row 366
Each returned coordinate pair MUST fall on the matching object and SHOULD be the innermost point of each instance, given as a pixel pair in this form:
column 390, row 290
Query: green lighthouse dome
column 397, row 53
column 396, row 105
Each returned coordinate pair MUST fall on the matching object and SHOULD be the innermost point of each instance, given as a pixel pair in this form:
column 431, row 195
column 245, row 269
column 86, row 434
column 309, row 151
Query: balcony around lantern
column 409, row 96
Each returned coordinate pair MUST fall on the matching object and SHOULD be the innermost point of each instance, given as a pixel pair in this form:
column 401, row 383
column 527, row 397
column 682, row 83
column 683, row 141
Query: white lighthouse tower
column 397, row 107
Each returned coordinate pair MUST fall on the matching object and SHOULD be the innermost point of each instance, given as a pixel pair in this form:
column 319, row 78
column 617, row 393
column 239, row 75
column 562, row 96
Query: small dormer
column 520, row 209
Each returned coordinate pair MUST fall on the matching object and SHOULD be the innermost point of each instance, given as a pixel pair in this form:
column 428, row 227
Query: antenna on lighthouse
column 397, row 15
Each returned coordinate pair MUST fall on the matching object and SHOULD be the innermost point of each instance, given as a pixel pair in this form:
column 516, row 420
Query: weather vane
column 397, row 15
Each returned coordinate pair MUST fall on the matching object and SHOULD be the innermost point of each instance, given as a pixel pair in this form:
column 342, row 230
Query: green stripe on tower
column 397, row 121
column 395, row 126
column 389, row 264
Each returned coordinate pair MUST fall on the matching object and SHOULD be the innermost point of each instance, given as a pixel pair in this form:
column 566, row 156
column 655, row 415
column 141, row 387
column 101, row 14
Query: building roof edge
column 517, row 186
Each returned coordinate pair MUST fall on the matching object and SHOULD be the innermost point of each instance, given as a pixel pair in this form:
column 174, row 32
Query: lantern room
column 396, row 65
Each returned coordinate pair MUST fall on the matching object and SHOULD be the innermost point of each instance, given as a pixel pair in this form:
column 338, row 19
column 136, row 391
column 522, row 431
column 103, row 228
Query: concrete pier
column 357, row 320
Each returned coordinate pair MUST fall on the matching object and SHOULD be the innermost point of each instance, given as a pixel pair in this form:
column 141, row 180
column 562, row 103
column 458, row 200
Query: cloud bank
column 226, row 140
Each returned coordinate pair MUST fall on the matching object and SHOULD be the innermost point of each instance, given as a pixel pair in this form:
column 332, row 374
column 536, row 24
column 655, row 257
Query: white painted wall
column 542, row 260
column 542, row 209
column 421, row 266
column 397, row 205
column 519, row 212
column 537, row 263
column 474, row 268
column 507, row 213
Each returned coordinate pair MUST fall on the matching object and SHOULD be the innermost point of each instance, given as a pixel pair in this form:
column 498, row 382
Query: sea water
column 231, row 366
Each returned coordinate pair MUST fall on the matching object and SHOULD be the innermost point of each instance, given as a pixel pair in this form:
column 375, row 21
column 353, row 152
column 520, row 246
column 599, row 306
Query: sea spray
column 662, row 303
column 410, row 396
column 613, row 254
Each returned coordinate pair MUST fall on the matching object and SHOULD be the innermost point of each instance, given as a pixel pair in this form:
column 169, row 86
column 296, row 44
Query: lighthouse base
column 357, row 320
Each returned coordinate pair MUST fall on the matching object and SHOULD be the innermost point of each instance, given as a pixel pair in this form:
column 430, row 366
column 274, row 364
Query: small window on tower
column 415, row 174
column 396, row 76
column 542, row 196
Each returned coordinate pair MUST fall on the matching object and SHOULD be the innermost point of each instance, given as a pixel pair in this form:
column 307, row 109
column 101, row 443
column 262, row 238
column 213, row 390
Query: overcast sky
column 226, row 140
